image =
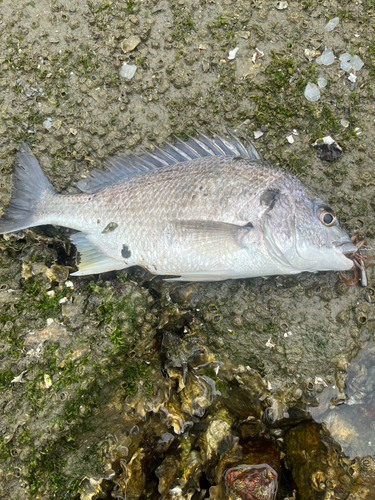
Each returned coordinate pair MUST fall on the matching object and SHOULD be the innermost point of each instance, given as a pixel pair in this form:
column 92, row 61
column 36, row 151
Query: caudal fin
column 30, row 186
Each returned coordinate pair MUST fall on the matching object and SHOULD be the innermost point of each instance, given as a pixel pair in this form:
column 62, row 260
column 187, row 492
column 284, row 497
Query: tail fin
column 30, row 186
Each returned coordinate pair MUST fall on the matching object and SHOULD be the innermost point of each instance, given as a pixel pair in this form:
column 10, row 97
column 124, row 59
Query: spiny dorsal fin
column 123, row 167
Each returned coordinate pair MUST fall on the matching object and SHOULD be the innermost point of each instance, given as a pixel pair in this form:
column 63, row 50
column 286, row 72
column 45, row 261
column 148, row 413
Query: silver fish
column 207, row 209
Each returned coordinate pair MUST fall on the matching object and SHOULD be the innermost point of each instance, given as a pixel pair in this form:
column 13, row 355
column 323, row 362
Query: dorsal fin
column 123, row 167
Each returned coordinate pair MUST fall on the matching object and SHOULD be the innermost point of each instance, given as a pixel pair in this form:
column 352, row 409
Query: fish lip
column 345, row 246
column 345, row 249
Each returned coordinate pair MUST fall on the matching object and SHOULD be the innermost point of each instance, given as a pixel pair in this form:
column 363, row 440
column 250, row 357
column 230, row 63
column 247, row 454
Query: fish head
column 302, row 233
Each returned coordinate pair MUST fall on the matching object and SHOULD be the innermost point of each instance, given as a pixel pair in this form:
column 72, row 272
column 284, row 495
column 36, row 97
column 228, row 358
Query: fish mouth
column 358, row 263
column 345, row 249
column 345, row 246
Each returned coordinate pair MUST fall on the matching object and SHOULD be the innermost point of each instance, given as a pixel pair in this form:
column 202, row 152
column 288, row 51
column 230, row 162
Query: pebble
column 312, row 92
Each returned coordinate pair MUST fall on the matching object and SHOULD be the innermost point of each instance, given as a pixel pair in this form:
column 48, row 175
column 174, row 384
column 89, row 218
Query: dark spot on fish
column 270, row 197
column 249, row 225
column 238, row 158
column 125, row 252
column 98, row 221
column 110, row 227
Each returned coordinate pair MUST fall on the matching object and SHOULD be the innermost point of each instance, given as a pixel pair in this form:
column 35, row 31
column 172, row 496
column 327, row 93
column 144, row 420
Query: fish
column 206, row 209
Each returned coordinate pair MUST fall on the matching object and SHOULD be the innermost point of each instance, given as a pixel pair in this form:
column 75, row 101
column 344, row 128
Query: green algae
column 77, row 397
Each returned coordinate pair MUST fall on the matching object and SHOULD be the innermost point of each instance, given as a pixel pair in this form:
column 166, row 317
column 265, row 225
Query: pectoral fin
column 92, row 260
column 210, row 237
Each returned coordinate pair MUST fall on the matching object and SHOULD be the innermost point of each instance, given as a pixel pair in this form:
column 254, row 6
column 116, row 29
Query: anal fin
column 93, row 261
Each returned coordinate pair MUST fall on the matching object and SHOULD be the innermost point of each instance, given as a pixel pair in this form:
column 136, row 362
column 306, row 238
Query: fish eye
column 327, row 216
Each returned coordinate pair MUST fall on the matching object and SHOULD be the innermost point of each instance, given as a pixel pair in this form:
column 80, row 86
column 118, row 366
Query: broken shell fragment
column 47, row 123
column 257, row 55
column 251, row 482
column 331, row 25
column 322, row 82
column 345, row 57
column 312, row 92
column 290, row 139
column 311, row 54
column 130, row 43
column 219, row 439
column 90, row 488
column 47, row 381
column 128, row 71
column 349, row 62
column 57, row 273
column 356, row 63
column 282, row 5
column 344, row 123
column 327, row 58
column 232, row 53
column 345, row 66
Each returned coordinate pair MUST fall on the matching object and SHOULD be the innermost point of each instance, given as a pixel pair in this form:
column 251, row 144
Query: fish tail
column 31, row 186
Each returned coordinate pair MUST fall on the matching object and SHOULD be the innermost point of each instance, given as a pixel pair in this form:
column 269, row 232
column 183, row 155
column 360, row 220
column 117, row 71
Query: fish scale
column 222, row 213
